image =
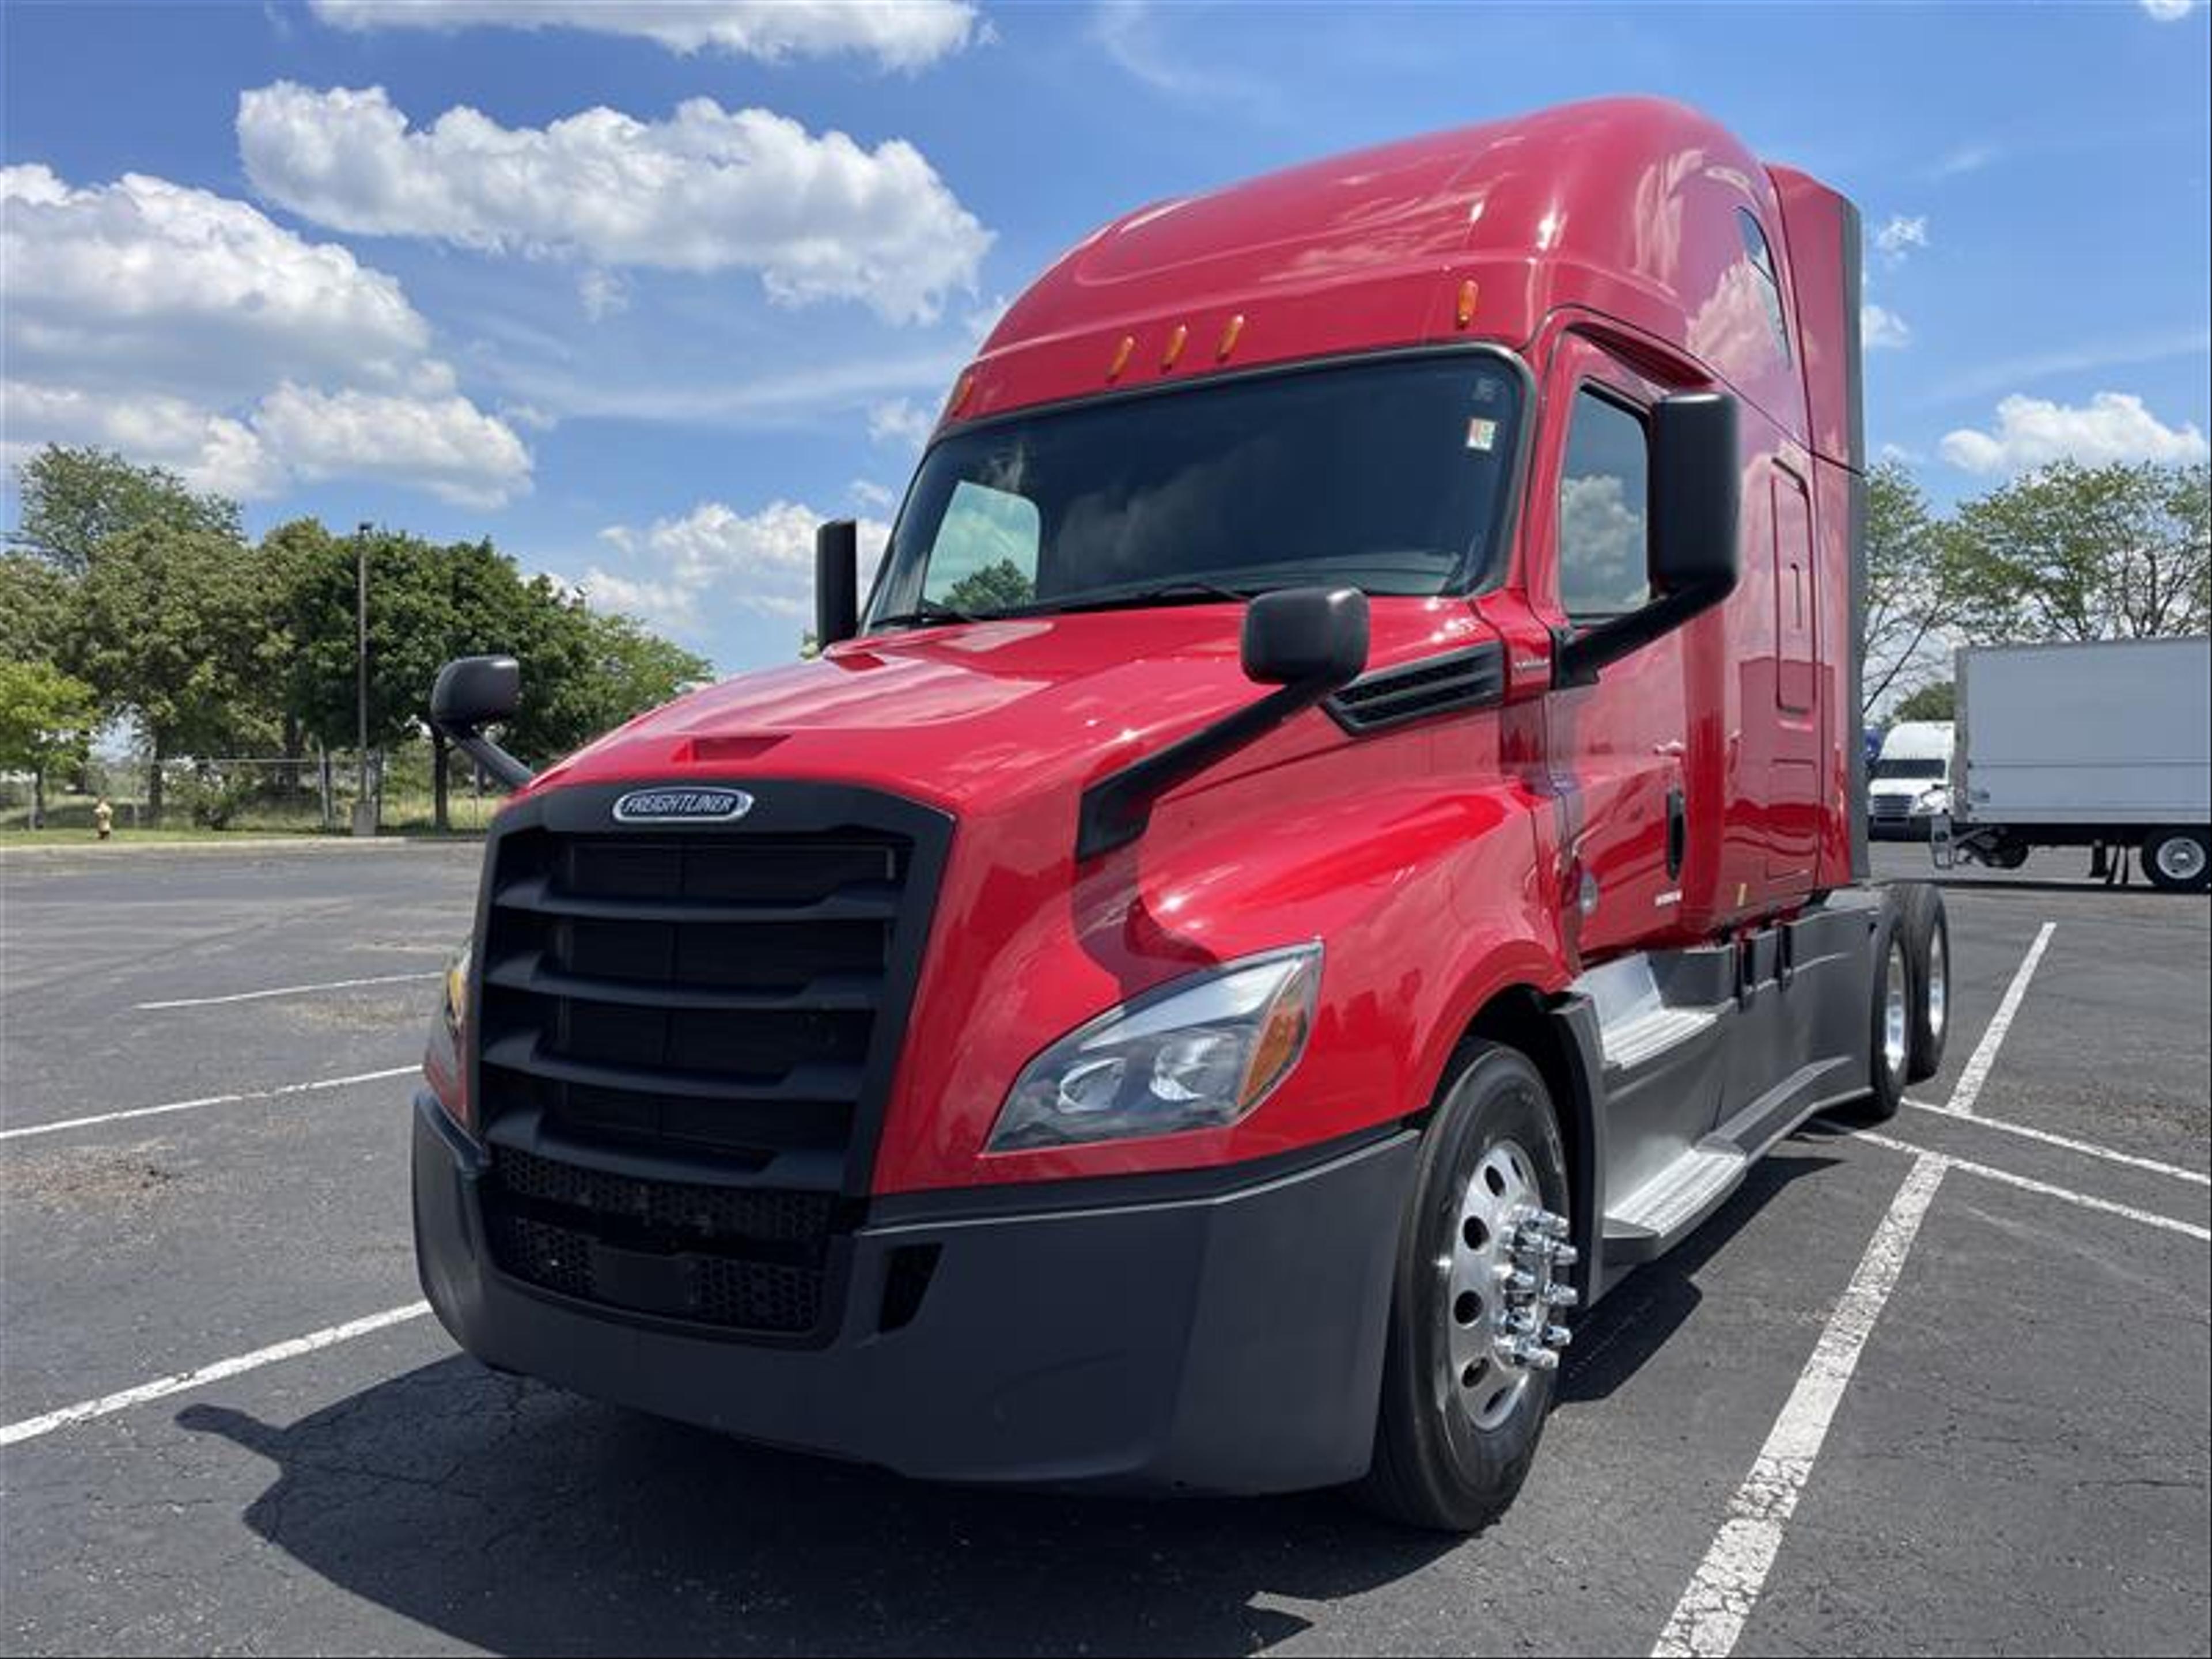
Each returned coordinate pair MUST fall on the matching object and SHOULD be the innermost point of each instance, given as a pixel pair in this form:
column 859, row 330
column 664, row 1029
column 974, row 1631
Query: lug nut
column 1516, row 1281
column 1562, row 1296
column 1557, row 1336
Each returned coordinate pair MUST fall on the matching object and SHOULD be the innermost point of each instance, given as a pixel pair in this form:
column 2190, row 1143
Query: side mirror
column 1691, row 555
column 837, row 582
column 472, row 693
column 1306, row 636
column 1304, row 642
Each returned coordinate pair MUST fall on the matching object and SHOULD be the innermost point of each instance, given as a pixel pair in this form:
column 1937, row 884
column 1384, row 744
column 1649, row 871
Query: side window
column 1762, row 261
column 1605, row 487
column 984, row 553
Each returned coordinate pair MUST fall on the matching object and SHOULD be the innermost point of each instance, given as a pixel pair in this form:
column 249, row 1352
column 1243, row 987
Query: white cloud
column 900, row 420
column 210, row 451
column 708, row 190
column 187, row 328
column 1901, row 235
column 1966, row 158
column 1881, row 328
column 905, row 35
column 2167, row 11
column 145, row 282
column 446, row 445
column 680, row 571
column 604, row 294
column 872, row 495
column 2032, row 432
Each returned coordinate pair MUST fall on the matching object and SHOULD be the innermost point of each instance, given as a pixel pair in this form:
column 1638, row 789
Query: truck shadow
column 520, row 1519
column 1641, row 1314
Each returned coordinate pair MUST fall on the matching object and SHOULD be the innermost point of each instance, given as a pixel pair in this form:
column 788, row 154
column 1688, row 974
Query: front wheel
column 2178, row 861
column 1482, row 1281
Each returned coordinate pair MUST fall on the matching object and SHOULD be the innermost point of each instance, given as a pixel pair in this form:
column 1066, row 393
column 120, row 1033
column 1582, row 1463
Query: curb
column 123, row 848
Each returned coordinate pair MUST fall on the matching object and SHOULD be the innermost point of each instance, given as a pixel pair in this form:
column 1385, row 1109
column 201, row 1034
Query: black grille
column 666, row 1210
column 684, row 1037
column 737, row 1293
column 1463, row 679
column 719, row 992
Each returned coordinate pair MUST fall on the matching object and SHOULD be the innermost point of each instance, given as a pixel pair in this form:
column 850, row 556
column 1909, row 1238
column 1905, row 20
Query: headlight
column 1196, row 1054
column 1932, row 801
column 444, row 1057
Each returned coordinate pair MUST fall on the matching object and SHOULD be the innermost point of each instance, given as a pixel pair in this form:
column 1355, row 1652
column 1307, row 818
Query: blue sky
column 366, row 261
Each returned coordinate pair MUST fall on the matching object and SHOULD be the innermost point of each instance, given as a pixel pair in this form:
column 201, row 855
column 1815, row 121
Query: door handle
column 1678, row 832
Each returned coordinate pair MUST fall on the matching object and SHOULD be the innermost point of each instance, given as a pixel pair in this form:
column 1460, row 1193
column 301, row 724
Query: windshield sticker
column 1480, row 433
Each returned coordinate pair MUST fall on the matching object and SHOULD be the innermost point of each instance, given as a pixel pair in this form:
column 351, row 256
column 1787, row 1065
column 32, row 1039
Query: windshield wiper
column 1183, row 590
column 924, row 613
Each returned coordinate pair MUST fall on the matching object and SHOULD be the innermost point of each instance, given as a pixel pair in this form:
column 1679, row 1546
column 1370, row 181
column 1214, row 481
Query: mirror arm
column 1578, row 660
column 486, row 753
column 1118, row 808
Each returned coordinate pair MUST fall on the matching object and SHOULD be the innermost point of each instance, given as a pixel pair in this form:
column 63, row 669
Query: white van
column 1911, row 781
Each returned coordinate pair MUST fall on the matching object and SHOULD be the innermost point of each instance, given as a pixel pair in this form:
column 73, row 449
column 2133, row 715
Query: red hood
column 970, row 716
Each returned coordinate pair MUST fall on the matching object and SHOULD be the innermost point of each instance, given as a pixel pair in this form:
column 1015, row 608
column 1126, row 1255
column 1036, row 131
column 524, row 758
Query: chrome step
column 1636, row 1041
column 1670, row 1201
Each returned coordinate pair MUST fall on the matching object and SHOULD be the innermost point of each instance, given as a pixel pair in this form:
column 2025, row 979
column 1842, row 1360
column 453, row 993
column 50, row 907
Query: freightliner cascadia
column 1336, row 833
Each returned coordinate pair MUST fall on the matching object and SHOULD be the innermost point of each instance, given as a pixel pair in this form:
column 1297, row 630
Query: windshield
column 1389, row 476
column 1934, row 767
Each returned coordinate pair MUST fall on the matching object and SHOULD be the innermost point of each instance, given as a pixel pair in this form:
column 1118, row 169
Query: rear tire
column 1928, row 948
column 1889, row 1032
column 1455, row 1431
column 2178, row 861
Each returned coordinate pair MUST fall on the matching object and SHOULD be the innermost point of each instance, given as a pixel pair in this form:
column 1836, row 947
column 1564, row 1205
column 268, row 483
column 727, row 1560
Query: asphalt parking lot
column 2018, row 1461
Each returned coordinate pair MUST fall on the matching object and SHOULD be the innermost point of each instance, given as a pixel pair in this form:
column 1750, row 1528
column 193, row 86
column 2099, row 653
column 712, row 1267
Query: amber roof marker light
column 1120, row 357
column 1175, row 347
column 1469, row 292
column 1229, row 339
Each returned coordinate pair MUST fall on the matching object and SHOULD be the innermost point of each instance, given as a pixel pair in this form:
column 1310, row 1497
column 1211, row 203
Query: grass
column 406, row 812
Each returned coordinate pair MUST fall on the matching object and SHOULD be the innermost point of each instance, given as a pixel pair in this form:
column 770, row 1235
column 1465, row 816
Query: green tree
column 583, row 672
column 35, row 604
column 999, row 585
column 2070, row 552
column 75, row 500
column 173, row 629
column 1938, row 699
column 1914, row 595
column 46, row 719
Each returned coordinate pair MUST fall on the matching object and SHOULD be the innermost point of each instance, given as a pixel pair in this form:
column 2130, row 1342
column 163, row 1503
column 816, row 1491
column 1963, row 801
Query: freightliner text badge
column 673, row 806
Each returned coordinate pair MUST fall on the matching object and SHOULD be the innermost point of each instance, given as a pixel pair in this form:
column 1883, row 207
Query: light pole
column 364, row 810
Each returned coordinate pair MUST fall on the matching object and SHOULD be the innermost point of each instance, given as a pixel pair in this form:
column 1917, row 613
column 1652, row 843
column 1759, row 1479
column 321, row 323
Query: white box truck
column 2106, row 745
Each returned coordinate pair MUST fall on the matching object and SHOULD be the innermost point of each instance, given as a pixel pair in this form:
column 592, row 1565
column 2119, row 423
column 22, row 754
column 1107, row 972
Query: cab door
column 1615, row 748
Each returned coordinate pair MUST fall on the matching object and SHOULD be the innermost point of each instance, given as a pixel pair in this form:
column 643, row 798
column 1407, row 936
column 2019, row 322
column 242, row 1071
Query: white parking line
column 206, row 1100
column 283, row 991
column 31, row 1427
column 2087, row 1148
column 1986, row 1053
column 2029, row 1184
column 1719, row 1598
column 1725, row 1588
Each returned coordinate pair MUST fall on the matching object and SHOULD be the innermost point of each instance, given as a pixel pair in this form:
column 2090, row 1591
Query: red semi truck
column 1336, row 833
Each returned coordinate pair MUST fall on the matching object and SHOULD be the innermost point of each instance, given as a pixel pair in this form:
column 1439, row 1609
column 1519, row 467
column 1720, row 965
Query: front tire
column 1464, row 1398
column 2178, row 861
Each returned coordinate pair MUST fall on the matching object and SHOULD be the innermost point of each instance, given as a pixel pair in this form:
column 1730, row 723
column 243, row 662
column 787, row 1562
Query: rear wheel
column 1483, row 1266
column 1890, row 1031
column 1927, row 950
column 2178, row 861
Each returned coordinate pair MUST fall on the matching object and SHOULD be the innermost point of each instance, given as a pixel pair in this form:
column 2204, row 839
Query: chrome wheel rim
column 1897, row 996
column 2179, row 857
column 1939, row 988
column 1493, row 1306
